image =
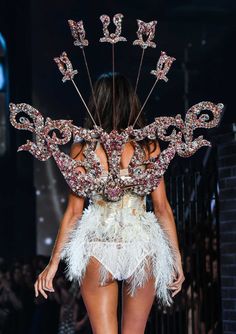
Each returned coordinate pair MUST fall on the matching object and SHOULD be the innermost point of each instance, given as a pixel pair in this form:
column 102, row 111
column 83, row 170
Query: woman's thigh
column 100, row 301
column 136, row 309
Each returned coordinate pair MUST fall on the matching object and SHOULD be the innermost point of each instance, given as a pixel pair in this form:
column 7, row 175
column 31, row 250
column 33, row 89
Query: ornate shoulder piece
column 112, row 187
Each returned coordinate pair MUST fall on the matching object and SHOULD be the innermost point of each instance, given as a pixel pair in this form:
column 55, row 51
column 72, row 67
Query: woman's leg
column 100, row 301
column 136, row 309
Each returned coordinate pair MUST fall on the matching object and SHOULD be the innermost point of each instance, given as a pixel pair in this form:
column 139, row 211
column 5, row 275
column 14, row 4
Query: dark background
column 199, row 34
column 33, row 194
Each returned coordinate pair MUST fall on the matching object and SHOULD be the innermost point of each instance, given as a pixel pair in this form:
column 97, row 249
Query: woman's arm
column 72, row 214
column 164, row 214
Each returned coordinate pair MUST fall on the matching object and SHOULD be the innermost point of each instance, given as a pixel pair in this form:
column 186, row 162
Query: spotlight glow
column 48, row 241
column 2, row 77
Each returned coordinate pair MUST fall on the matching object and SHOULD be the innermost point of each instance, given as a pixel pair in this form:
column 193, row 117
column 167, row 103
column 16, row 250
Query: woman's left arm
column 164, row 214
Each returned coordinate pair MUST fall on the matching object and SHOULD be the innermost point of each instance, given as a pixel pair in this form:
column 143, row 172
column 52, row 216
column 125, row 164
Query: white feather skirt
column 129, row 243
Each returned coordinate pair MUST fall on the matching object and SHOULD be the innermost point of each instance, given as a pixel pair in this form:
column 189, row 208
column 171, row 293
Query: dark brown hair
column 127, row 106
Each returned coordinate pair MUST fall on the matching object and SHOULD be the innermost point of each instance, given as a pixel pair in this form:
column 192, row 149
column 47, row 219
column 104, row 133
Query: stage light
column 48, row 241
column 4, row 136
column 2, row 77
column 2, row 66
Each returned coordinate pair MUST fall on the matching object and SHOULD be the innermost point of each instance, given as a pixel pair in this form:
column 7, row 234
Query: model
column 115, row 161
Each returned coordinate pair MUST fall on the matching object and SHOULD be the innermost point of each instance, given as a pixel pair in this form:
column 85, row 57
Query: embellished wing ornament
column 139, row 180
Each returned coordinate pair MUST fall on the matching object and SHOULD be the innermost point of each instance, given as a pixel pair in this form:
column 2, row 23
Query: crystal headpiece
column 113, row 186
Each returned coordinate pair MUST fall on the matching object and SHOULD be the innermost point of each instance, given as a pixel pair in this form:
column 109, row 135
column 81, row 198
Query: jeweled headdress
column 140, row 181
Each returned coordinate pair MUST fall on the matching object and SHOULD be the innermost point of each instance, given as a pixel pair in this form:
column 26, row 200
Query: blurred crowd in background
column 63, row 312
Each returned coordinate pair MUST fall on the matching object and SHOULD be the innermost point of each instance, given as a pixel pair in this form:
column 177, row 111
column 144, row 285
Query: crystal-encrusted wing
column 139, row 180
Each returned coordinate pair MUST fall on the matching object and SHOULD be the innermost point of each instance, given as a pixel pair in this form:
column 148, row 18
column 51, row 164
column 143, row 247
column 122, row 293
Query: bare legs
column 101, row 303
column 136, row 309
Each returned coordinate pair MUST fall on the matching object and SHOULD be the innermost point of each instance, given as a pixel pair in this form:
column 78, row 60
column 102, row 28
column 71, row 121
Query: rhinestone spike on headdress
column 147, row 29
column 65, row 67
column 112, row 37
column 68, row 74
column 49, row 134
column 163, row 66
column 78, row 32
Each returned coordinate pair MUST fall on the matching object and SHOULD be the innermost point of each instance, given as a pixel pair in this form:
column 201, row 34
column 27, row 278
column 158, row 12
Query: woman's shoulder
column 76, row 149
column 153, row 149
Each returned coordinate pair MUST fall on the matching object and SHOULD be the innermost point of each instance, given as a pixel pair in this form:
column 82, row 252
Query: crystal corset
column 130, row 202
column 118, row 221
